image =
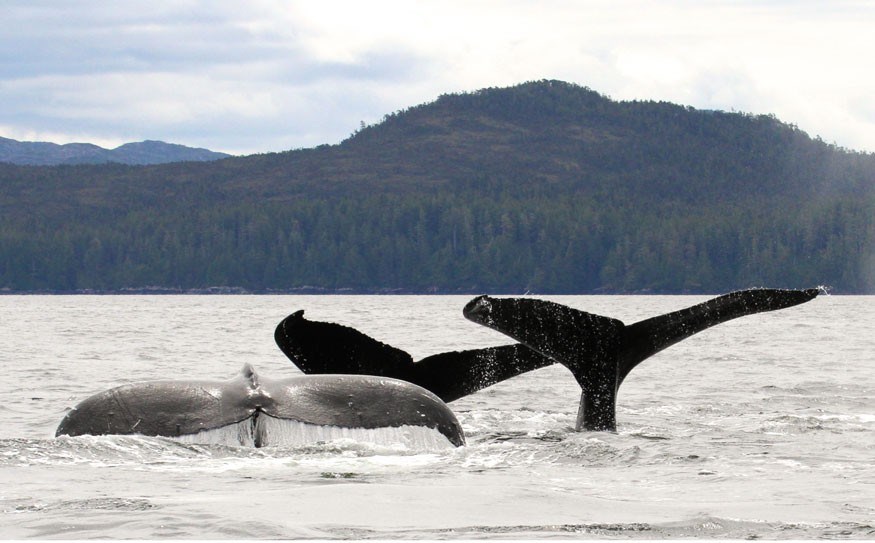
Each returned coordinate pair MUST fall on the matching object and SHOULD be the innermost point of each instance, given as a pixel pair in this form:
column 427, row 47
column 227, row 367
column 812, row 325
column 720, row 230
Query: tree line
column 450, row 243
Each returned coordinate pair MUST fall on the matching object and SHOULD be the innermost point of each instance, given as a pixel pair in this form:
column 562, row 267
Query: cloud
column 243, row 78
column 267, row 75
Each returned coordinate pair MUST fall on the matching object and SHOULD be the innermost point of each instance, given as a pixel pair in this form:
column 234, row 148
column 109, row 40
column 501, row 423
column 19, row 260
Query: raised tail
column 555, row 330
column 600, row 351
column 455, row 374
column 325, row 347
column 587, row 344
column 646, row 338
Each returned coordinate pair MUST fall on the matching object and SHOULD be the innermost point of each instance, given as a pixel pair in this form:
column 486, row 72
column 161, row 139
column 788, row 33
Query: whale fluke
column 317, row 347
column 646, row 338
column 601, row 351
column 326, row 347
column 184, row 408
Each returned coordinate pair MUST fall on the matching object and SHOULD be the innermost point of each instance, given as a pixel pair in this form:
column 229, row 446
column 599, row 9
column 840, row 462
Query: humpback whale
column 600, row 351
column 317, row 347
column 253, row 404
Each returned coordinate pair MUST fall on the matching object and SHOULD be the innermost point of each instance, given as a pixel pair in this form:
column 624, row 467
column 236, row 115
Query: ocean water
column 763, row 427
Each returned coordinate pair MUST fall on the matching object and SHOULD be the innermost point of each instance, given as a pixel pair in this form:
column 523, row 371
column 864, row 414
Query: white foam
column 241, row 434
column 273, row 432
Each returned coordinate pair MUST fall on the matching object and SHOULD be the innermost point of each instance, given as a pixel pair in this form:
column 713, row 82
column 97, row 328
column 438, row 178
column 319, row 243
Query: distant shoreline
column 319, row 291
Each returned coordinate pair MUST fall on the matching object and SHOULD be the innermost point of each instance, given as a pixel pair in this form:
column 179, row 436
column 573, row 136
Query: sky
column 262, row 76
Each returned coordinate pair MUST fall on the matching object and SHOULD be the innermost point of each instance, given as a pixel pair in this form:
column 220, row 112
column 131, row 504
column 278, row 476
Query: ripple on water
column 696, row 528
column 86, row 504
column 764, row 411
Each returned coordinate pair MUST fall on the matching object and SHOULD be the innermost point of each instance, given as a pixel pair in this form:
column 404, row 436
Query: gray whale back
column 179, row 408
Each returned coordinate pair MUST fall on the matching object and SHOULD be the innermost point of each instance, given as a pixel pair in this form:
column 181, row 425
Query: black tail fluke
column 587, row 344
column 454, row 374
column 571, row 337
column 646, row 338
column 601, row 351
column 325, row 347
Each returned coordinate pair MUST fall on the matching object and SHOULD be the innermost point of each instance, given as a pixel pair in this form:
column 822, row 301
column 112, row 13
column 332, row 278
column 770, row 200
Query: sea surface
column 763, row 427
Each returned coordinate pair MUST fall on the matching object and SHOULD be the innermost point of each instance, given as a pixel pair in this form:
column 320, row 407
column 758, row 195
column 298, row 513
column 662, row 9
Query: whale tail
column 324, row 347
column 163, row 408
column 647, row 337
column 257, row 411
column 589, row 345
column 600, row 351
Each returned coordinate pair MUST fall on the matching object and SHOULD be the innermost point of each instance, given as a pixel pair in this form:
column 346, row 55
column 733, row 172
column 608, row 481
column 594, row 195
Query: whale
column 319, row 348
column 599, row 351
column 257, row 408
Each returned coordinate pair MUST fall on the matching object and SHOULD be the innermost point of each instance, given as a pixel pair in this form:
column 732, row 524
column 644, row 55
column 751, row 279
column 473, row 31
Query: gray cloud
column 203, row 73
column 261, row 76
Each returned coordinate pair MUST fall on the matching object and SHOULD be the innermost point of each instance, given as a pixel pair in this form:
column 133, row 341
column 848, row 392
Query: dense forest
column 545, row 187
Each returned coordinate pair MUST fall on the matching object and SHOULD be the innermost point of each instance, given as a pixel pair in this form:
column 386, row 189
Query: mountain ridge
column 147, row 152
column 544, row 187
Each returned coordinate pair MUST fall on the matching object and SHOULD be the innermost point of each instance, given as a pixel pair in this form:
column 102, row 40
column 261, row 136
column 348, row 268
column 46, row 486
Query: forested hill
column 544, row 187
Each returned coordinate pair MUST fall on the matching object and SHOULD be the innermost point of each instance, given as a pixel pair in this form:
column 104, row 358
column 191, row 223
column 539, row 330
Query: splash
column 266, row 431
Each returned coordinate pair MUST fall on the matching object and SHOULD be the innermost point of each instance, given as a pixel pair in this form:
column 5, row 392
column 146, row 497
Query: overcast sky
column 258, row 76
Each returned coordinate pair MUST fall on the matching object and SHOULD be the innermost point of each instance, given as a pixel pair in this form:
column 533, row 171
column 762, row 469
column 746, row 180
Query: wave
column 705, row 527
column 273, row 432
column 287, row 439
